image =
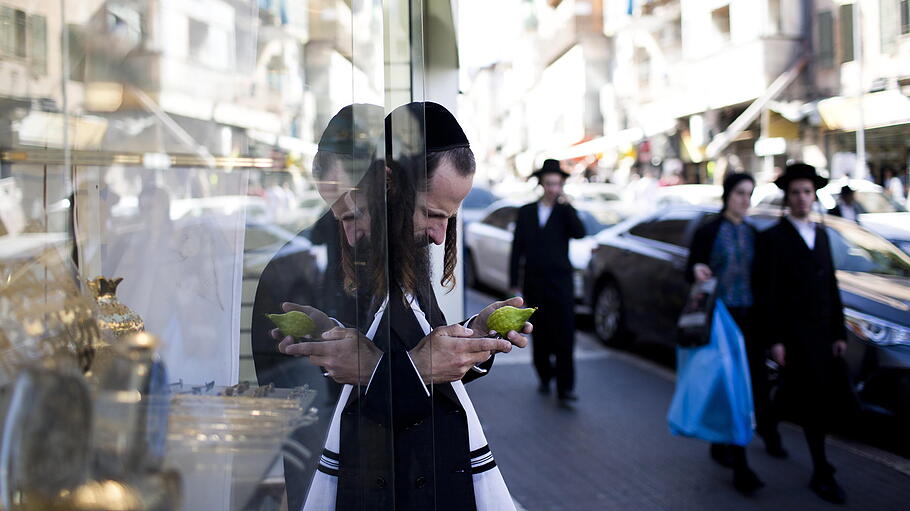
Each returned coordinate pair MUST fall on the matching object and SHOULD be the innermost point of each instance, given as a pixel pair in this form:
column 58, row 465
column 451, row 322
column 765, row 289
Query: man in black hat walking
column 798, row 301
column 540, row 250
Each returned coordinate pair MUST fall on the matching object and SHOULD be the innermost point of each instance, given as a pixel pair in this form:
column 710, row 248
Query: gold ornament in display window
column 115, row 319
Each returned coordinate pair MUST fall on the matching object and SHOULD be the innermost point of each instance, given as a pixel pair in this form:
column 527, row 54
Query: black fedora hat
column 550, row 166
column 800, row 171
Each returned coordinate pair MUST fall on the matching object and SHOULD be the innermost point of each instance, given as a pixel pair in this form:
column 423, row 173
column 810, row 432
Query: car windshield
column 875, row 202
column 592, row 225
column 855, row 249
column 479, row 198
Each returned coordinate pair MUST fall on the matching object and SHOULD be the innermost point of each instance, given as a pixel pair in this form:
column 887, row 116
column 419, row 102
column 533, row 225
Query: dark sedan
column 636, row 286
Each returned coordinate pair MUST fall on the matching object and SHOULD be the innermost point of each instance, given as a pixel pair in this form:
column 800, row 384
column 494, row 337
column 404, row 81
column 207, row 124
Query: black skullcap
column 437, row 126
column 354, row 129
column 730, row 182
column 800, row 170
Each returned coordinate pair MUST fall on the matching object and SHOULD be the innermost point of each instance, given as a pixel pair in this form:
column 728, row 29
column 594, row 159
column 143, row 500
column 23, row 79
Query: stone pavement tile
column 614, row 450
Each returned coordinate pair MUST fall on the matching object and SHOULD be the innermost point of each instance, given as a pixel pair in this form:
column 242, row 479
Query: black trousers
column 766, row 417
column 553, row 340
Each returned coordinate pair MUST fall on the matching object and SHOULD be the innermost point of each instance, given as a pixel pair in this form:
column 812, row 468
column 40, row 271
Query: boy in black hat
column 540, row 249
column 798, row 301
column 846, row 207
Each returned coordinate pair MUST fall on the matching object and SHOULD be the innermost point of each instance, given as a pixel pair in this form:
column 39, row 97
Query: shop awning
column 722, row 140
column 55, row 130
column 885, row 108
column 599, row 145
column 593, row 146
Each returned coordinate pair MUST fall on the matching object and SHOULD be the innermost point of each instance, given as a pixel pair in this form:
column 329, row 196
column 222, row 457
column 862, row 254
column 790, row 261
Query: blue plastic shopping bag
column 713, row 397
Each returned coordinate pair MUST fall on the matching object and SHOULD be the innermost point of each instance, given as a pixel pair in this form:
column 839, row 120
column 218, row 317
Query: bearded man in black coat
column 404, row 434
column 799, row 304
column 540, row 251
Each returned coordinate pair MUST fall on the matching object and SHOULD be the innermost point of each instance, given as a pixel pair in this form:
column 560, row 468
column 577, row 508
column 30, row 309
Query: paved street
column 614, row 451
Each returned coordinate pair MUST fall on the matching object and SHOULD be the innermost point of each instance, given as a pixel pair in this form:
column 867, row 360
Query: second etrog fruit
column 294, row 323
column 508, row 318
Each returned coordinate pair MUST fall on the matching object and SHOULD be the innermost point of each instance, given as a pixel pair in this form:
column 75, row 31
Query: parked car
column 488, row 246
column 695, row 195
column 594, row 192
column 606, row 201
column 636, row 286
column 264, row 241
column 883, row 216
column 474, row 205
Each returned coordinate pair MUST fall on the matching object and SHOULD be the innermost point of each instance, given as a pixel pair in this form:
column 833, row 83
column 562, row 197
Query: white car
column 883, row 216
column 689, row 195
column 488, row 247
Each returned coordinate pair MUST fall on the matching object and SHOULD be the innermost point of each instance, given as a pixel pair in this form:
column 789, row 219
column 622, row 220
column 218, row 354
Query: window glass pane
column 889, row 22
column 825, row 39
column 846, row 32
column 37, row 36
column 502, row 217
column 666, row 231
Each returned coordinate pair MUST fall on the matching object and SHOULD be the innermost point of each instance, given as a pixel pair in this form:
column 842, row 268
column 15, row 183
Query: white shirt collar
column 806, row 230
column 543, row 213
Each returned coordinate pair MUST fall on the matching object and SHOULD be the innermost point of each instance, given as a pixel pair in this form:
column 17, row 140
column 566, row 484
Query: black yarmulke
column 427, row 121
column 354, row 129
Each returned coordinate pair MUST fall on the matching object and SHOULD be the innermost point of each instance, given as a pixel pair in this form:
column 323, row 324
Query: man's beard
column 422, row 268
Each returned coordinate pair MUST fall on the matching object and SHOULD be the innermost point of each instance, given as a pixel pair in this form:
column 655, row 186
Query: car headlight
column 875, row 330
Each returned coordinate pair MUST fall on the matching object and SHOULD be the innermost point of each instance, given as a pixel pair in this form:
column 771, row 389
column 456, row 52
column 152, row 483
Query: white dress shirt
column 543, row 213
column 806, row 229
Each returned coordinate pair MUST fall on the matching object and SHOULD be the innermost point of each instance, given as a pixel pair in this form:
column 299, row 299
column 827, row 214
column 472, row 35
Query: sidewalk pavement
column 614, row 450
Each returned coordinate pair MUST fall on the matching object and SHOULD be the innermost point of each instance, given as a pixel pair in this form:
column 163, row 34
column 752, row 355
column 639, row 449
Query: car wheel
column 607, row 314
column 470, row 278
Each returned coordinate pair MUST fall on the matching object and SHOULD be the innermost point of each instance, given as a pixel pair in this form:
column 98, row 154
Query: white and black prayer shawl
column 490, row 491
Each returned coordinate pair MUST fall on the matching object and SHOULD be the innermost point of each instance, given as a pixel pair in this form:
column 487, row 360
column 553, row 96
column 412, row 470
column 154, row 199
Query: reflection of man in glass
column 350, row 144
column 405, row 434
column 347, row 148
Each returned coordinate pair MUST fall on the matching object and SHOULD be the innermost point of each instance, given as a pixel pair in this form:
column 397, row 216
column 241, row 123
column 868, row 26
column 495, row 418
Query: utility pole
column 859, row 172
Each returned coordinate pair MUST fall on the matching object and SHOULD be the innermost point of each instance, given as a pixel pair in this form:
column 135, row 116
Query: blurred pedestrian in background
column 894, row 186
column 540, row 252
column 847, row 207
column 723, row 248
column 800, row 312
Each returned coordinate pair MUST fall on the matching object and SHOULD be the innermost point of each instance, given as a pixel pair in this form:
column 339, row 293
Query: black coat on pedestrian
column 401, row 448
column 541, row 254
column 798, row 304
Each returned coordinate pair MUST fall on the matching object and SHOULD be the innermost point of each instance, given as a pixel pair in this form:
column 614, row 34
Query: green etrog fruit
column 294, row 323
column 508, row 318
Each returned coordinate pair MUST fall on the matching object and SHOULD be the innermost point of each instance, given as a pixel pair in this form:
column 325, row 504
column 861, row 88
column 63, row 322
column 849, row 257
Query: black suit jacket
column 402, row 449
column 796, row 294
column 543, row 253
